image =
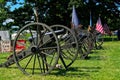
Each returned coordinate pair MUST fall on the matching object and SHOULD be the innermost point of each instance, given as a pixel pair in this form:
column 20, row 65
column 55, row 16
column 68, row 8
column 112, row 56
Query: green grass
column 110, row 38
column 102, row 64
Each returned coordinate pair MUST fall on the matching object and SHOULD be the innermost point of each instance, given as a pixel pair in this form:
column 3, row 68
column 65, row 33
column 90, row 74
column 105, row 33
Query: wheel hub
column 34, row 49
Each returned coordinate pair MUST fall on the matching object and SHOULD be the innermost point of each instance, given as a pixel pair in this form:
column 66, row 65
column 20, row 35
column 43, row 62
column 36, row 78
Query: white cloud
column 8, row 21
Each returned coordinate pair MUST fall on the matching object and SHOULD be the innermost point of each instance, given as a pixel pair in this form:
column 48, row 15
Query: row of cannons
column 48, row 47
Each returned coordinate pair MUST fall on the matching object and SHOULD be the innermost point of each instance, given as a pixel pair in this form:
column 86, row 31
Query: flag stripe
column 99, row 26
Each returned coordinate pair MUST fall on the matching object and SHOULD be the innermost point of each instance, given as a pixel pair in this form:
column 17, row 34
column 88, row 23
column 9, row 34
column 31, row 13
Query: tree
column 107, row 9
column 22, row 15
column 59, row 11
column 3, row 13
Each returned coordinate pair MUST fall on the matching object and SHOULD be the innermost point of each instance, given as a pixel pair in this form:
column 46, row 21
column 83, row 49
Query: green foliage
column 1, row 1
column 3, row 16
column 22, row 15
column 3, row 13
column 56, row 12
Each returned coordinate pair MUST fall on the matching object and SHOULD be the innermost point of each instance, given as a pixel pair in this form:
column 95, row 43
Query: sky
column 12, row 7
column 22, row 1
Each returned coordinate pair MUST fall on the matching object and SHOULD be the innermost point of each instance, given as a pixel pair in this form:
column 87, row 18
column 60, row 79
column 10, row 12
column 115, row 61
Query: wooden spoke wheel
column 36, row 49
column 98, row 40
column 84, row 45
column 68, row 44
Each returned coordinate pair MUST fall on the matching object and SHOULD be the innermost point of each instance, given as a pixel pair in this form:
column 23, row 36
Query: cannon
column 87, row 41
column 47, row 46
column 68, row 45
column 44, row 48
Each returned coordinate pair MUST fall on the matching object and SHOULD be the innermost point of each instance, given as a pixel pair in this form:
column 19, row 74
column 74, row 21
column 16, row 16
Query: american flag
column 106, row 29
column 99, row 26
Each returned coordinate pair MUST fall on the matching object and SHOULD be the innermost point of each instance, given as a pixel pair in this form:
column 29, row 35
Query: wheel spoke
column 31, row 35
column 34, row 64
column 40, row 66
column 28, row 62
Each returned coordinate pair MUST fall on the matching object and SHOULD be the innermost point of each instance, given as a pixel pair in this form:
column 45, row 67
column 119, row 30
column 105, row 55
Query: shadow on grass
column 95, row 58
column 95, row 51
column 3, row 57
column 76, row 71
column 91, row 57
column 10, row 67
column 70, row 72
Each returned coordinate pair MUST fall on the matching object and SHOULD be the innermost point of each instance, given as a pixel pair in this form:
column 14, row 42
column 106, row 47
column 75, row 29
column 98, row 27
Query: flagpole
column 90, row 18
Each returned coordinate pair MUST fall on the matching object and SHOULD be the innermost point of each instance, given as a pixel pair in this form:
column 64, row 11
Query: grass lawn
column 102, row 64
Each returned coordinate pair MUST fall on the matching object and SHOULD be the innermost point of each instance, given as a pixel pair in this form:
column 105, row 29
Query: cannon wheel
column 98, row 40
column 84, row 46
column 68, row 45
column 35, row 52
